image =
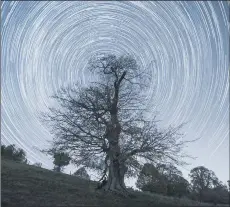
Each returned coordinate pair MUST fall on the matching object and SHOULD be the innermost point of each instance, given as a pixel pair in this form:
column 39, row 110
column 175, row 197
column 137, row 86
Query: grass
column 29, row 186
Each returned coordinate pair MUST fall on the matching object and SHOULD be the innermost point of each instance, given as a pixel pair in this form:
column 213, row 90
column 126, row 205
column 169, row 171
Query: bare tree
column 102, row 126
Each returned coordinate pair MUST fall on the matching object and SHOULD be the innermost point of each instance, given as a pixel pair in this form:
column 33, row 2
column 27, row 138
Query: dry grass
column 29, row 186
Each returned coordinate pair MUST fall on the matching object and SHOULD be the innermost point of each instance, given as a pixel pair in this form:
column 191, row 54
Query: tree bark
column 116, row 176
column 117, row 168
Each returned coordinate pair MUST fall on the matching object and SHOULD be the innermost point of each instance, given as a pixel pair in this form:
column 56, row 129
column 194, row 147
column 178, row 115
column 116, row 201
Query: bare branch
column 97, row 127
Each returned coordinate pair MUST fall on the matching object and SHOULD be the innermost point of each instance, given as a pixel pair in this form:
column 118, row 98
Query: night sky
column 46, row 45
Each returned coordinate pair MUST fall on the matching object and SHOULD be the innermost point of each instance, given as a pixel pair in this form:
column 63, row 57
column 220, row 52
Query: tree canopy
column 163, row 179
column 13, row 153
column 61, row 159
column 207, row 187
column 103, row 127
column 203, row 178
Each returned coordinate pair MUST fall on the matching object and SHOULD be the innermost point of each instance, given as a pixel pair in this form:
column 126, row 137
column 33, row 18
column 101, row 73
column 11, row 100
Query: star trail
column 184, row 45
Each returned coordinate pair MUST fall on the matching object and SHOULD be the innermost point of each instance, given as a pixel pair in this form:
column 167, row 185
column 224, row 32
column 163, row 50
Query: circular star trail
column 46, row 45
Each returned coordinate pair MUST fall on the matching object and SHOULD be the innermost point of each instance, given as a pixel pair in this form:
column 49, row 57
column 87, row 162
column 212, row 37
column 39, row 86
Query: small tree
column 163, row 179
column 203, row 180
column 176, row 184
column 179, row 186
column 61, row 159
column 12, row 153
column 82, row 173
column 146, row 174
column 150, row 180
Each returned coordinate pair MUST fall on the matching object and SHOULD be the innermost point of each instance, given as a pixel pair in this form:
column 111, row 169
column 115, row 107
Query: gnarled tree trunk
column 117, row 168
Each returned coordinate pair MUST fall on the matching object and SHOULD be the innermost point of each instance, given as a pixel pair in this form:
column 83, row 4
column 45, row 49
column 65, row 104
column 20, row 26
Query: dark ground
column 29, row 186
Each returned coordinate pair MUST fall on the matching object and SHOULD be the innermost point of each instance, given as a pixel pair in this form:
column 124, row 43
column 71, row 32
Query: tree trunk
column 117, row 168
column 117, row 172
column 58, row 168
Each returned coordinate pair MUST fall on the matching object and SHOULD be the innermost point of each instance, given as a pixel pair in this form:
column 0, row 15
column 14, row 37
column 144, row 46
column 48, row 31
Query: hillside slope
column 29, row 186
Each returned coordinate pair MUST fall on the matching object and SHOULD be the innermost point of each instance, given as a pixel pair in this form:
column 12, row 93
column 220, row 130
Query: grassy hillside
column 29, row 186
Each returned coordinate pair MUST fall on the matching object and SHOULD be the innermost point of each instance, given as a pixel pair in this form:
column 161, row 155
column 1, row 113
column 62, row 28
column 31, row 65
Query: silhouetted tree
column 179, row 186
column 100, row 126
column 216, row 195
column 222, row 193
column 61, row 159
column 163, row 179
column 82, row 173
column 176, row 184
column 12, row 153
column 203, row 180
column 151, row 180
